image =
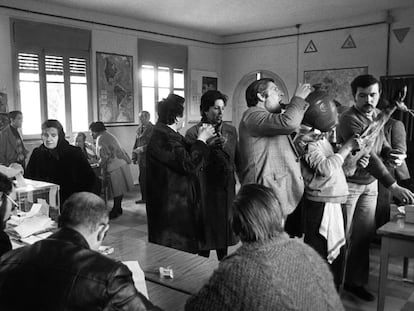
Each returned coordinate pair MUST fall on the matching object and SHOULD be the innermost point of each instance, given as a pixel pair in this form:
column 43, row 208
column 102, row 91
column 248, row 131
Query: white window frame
column 43, row 85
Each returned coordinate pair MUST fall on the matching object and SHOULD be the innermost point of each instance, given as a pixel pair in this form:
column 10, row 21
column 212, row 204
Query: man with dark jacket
column 64, row 271
column 12, row 148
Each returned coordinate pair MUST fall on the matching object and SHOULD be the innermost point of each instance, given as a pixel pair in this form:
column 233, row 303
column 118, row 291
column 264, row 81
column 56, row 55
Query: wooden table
column 166, row 298
column 191, row 271
column 397, row 239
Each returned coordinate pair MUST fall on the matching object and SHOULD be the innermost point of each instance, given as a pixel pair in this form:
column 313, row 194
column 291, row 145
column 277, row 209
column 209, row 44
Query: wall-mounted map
column 115, row 87
column 335, row 81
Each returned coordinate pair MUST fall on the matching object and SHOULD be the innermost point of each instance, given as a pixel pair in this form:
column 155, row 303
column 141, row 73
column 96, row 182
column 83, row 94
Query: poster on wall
column 115, row 88
column 336, row 81
column 201, row 82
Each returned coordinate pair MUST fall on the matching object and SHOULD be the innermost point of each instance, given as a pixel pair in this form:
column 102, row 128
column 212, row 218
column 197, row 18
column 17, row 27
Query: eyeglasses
column 13, row 202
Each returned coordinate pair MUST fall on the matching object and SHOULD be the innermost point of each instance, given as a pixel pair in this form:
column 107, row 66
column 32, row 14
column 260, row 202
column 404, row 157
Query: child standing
column 325, row 183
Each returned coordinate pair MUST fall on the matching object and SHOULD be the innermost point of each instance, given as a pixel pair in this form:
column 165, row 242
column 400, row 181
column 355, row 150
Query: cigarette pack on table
column 166, row 272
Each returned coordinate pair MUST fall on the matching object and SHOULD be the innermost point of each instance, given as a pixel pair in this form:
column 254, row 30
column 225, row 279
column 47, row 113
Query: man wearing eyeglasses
column 65, row 271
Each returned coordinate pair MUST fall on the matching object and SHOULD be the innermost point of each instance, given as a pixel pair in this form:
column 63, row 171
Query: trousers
column 360, row 229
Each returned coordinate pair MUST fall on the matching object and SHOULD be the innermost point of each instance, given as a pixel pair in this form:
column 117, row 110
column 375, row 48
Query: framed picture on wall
column 201, row 82
column 115, row 88
column 337, row 81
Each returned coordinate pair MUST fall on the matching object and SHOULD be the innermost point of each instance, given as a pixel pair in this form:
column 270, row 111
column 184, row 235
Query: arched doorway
column 239, row 101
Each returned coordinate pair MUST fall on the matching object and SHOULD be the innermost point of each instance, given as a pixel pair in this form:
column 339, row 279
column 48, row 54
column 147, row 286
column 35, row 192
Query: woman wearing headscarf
column 114, row 163
column 58, row 162
column 173, row 191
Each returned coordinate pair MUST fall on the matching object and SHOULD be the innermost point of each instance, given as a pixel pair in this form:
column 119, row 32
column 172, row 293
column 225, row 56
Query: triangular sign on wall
column 311, row 48
column 349, row 43
column 401, row 33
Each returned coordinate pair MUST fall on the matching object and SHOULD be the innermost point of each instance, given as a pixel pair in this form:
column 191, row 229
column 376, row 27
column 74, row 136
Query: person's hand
column 303, row 139
column 396, row 158
column 17, row 167
column 402, row 194
column 363, row 161
column 139, row 150
column 356, row 143
column 205, row 132
column 216, row 142
column 309, row 137
column 303, row 90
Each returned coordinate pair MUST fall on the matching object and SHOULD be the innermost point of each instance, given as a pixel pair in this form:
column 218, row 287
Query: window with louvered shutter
column 29, row 87
column 52, row 76
column 79, row 93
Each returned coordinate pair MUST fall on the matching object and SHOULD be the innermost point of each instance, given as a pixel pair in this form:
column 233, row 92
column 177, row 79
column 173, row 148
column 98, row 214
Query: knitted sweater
column 278, row 274
column 322, row 173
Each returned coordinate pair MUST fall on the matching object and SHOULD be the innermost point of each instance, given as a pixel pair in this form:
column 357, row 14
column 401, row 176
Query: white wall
column 286, row 57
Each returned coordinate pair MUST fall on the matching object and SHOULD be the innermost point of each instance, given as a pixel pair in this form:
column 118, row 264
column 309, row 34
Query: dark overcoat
column 66, row 165
column 173, row 192
column 217, row 183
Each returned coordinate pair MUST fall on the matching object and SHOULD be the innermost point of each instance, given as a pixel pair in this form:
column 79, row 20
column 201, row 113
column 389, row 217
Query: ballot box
column 34, row 191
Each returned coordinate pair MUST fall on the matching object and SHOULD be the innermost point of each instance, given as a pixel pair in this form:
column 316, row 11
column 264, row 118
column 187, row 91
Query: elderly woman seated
column 87, row 148
column 56, row 161
column 269, row 271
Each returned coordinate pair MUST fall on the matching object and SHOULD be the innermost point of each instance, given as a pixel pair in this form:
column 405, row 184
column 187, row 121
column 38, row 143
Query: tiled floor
column 400, row 294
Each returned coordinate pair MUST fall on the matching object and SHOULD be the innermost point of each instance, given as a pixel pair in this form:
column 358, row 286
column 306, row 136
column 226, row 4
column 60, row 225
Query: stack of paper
column 33, row 225
column 34, row 221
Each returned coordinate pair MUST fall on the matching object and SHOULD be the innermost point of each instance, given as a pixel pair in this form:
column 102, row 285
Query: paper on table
column 34, row 238
column 16, row 245
column 31, row 239
column 138, row 276
column 32, row 225
column 20, row 181
column 35, row 209
column 45, row 235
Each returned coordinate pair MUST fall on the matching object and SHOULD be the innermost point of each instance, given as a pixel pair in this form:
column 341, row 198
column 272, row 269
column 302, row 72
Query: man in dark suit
column 65, row 271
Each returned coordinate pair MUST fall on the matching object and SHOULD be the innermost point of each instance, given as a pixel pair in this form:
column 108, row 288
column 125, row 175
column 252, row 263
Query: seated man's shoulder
column 77, row 260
